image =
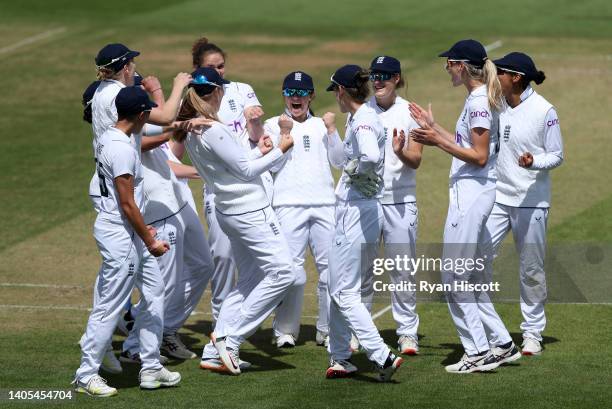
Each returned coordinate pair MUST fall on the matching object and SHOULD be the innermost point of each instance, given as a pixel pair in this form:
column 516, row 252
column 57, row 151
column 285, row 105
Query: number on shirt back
column 103, row 188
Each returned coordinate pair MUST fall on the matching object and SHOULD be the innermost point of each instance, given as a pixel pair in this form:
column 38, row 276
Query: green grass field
column 49, row 259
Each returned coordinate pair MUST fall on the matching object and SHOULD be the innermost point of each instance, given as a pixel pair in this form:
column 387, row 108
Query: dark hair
column 538, row 78
column 202, row 47
column 362, row 91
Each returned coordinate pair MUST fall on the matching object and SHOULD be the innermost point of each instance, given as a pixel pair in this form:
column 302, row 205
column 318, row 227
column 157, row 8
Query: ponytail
column 202, row 47
column 494, row 91
column 539, row 77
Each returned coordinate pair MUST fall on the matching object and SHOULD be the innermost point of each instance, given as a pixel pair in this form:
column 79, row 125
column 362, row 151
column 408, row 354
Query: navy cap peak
column 132, row 101
column 345, row 76
column 114, row 56
column 470, row 51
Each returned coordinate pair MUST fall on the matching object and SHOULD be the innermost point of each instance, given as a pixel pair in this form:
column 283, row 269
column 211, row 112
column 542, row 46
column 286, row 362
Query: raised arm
column 332, row 141
column 166, row 114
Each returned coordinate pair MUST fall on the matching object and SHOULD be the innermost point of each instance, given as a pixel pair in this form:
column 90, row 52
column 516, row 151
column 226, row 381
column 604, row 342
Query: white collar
column 527, row 93
column 308, row 114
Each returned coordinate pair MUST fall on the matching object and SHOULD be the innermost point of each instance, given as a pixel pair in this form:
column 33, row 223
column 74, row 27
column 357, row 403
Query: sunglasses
column 380, row 76
column 202, row 80
column 502, row 71
column 293, row 92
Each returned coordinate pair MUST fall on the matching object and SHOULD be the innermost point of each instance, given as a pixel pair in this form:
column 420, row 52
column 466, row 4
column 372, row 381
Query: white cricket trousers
column 399, row 232
column 265, row 273
column 354, row 247
column 186, row 270
column 528, row 225
column 125, row 263
column 478, row 324
column 224, row 274
column 305, row 226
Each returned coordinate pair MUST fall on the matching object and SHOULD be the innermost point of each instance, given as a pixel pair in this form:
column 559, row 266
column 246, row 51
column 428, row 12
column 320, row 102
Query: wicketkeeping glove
column 367, row 183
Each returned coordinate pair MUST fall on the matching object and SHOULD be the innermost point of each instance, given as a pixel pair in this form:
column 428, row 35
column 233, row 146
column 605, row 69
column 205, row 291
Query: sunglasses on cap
column 502, row 71
column 202, row 80
column 293, row 92
column 114, row 60
column 380, row 76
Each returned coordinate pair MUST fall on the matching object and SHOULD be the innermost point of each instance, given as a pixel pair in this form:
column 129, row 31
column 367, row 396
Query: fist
column 159, row 248
column 525, row 160
column 182, row 79
column 329, row 119
column 285, row 123
column 151, row 83
column 286, row 142
column 265, row 144
column 253, row 113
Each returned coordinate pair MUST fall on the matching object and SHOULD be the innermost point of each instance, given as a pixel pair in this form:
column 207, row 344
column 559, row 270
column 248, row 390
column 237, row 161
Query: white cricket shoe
column 342, row 368
column 95, row 387
column 215, row 365
column 322, row 339
column 505, row 355
column 154, row 379
column 478, row 363
column 128, row 358
column 531, row 346
column 173, row 346
column 228, row 356
column 110, row 363
column 408, row 345
column 391, row 365
column 285, row 341
column 354, row 346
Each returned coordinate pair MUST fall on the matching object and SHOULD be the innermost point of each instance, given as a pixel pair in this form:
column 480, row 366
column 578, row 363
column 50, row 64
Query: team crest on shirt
column 131, row 269
column 172, row 238
column 306, row 140
column 507, row 133
column 99, row 149
column 274, row 229
column 232, row 105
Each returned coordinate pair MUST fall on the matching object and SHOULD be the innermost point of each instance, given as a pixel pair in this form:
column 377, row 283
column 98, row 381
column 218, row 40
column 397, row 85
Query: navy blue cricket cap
column 115, row 56
column 384, row 63
column 298, row 80
column 345, row 76
column 132, row 101
column 205, row 79
column 470, row 51
column 517, row 63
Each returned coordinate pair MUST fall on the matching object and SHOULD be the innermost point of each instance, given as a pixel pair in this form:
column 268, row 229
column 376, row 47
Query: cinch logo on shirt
column 235, row 126
column 251, row 95
column 364, row 127
column 553, row 122
column 458, row 138
column 481, row 114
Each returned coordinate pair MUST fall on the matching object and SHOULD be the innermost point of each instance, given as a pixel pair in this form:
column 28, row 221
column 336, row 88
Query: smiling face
column 384, row 89
column 216, row 61
column 298, row 106
column 455, row 69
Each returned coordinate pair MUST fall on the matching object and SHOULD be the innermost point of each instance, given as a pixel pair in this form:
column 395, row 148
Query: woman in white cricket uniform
column 127, row 247
column 358, row 226
column 187, row 267
column 240, row 111
column 304, row 201
column 400, row 213
column 531, row 146
column 473, row 146
column 262, row 255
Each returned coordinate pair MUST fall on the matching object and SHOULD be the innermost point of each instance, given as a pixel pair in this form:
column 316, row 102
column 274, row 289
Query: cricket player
column 187, row 267
column 304, row 201
column 240, row 111
column 358, row 223
column 474, row 147
column 531, row 146
column 263, row 258
column 127, row 247
column 400, row 212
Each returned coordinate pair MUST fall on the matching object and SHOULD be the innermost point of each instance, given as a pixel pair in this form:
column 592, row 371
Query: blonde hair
column 488, row 76
column 105, row 73
column 192, row 107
